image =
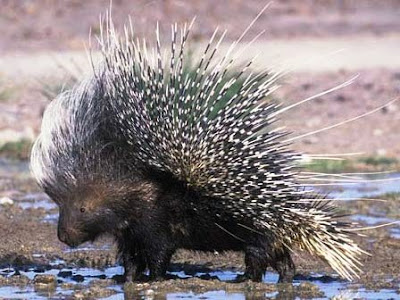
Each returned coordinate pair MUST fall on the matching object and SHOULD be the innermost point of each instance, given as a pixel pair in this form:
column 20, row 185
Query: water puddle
column 45, row 204
column 394, row 230
column 13, row 168
column 337, row 291
column 83, row 278
column 68, row 281
column 88, row 247
column 368, row 189
column 215, row 295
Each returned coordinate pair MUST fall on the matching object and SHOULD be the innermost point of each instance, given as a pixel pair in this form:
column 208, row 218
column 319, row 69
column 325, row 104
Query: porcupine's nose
column 67, row 235
column 62, row 236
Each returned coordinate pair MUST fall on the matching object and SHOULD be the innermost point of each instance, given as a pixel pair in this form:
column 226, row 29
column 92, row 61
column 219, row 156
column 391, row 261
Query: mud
column 35, row 265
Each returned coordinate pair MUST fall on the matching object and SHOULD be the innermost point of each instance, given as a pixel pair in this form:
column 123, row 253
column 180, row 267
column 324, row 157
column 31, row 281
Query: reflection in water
column 329, row 286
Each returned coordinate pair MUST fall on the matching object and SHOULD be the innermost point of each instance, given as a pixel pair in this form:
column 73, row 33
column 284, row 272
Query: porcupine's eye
column 82, row 209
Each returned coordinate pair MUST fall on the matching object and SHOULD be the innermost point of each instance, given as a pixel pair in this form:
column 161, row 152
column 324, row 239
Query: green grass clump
column 379, row 160
column 378, row 163
column 16, row 150
column 328, row 166
column 7, row 91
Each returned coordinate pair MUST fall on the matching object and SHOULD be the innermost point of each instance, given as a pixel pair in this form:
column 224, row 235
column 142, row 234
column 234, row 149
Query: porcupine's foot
column 256, row 264
column 134, row 266
column 257, row 260
column 282, row 262
column 132, row 258
column 158, row 264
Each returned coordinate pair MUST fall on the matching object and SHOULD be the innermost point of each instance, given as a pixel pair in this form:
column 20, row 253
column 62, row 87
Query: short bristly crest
column 77, row 145
column 218, row 137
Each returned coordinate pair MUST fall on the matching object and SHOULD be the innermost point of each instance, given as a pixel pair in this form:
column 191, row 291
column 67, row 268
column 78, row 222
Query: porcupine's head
column 80, row 166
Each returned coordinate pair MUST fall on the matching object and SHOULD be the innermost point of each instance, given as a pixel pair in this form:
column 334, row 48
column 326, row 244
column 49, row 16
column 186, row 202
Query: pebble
column 45, row 282
column 45, row 279
column 148, row 292
column 381, row 152
column 378, row 132
column 6, row 201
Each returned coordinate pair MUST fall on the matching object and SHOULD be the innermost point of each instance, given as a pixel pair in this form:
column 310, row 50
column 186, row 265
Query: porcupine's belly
column 212, row 237
column 200, row 229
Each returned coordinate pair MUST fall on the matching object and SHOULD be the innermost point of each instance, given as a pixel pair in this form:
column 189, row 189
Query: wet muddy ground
column 35, row 265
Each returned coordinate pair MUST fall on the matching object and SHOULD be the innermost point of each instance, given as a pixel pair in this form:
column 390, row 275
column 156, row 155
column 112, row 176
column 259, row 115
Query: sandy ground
column 52, row 24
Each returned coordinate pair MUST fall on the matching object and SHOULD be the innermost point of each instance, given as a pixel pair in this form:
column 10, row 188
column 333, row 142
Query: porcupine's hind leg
column 258, row 258
column 256, row 263
column 282, row 262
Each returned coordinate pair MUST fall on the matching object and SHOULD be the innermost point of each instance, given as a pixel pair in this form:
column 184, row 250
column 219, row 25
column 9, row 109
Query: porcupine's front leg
column 132, row 258
column 158, row 261
column 134, row 265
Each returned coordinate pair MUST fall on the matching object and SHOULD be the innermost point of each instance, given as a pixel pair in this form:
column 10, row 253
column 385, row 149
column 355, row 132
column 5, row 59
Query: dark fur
column 151, row 218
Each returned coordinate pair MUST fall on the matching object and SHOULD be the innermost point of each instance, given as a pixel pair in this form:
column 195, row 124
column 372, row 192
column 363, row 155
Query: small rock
column 142, row 285
column 67, row 286
column 369, row 85
column 381, row 152
column 306, row 86
column 94, row 293
column 79, row 295
column 311, row 140
column 148, row 292
column 45, row 282
column 45, row 279
column 378, row 132
column 392, row 108
column 16, row 260
column 340, row 98
column 39, row 270
column 65, row 274
column 307, row 290
column 313, row 122
column 78, row 278
column 6, row 201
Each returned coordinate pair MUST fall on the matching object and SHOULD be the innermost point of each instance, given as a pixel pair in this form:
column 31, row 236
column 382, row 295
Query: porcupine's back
column 213, row 130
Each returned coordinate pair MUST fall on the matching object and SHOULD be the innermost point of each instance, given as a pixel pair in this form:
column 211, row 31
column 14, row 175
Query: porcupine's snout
column 69, row 231
column 66, row 236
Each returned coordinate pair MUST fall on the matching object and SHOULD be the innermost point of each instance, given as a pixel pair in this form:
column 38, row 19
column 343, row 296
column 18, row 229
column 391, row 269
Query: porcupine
column 163, row 161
